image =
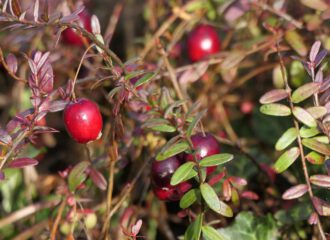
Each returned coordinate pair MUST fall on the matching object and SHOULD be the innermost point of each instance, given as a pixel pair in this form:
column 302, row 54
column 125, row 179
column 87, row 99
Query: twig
column 113, row 21
column 301, row 148
column 57, row 220
column 24, row 212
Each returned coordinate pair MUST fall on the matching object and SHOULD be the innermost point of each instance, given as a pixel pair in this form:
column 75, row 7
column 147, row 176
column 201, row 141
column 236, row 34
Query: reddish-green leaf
column 322, row 148
column 288, row 137
column 315, row 158
column 78, row 175
column 274, row 95
column 320, row 180
column 275, row 109
column 146, row 78
column 303, row 116
column 314, row 50
column 98, row 179
column 213, row 201
column 22, row 162
column 322, row 207
column 319, row 5
column 286, row 159
column 295, row 192
column 305, row 91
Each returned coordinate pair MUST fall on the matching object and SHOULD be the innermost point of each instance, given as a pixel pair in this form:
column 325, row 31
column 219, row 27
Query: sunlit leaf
column 315, row 158
column 274, row 95
column 286, row 159
column 193, row 231
column 189, row 198
column 307, row 132
column 78, row 175
column 317, row 146
column 303, row 116
column 320, row 180
column 182, row 172
column 305, row 91
column 275, row 109
column 295, row 192
column 216, row 159
column 288, row 137
column 172, row 150
column 209, row 233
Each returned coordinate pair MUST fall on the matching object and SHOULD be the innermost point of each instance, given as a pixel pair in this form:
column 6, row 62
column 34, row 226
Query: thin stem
column 301, row 148
column 57, row 220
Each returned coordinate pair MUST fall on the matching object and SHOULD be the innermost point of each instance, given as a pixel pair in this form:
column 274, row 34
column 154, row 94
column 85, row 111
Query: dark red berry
column 83, row 120
column 203, row 41
column 162, row 171
column 72, row 36
column 204, row 146
column 161, row 174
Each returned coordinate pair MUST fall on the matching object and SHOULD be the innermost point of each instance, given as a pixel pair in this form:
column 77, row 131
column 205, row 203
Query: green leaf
column 213, row 202
column 274, row 95
column 275, row 109
column 164, row 128
column 209, row 233
column 286, row 159
column 307, row 132
column 113, row 92
column 315, row 158
column 173, row 150
column 288, row 137
column 317, row 112
column 296, row 42
column 169, row 109
column 303, row 116
column 181, row 173
column 305, row 91
column 146, row 78
column 322, row 148
column 194, row 230
column 189, row 198
column 194, row 122
column 216, row 159
column 247, row 226
column 78, row 175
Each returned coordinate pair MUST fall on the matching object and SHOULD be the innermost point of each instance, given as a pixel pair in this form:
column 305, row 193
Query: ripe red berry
column 203, row 41
column 204, row 146
column 83, row 120
column 72, row 36
column 161, row 173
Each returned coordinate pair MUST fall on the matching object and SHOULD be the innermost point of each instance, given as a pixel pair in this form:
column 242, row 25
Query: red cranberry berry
column 162, row 172
column 204, row 146
column 72, row 36
column 203, row 41
column 83, row 120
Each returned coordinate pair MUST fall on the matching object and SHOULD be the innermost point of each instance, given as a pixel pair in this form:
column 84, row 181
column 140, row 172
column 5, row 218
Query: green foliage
column 249, row 227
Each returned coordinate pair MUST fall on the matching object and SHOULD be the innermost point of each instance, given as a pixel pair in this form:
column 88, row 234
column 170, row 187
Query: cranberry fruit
column 83, row 120
column 162, row 172
column 203, row 41
column 204, row 146
column 72, row 36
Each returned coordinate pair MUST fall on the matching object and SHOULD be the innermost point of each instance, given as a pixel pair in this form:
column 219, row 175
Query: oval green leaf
column 275, row 109
column 288, row 137
column 209, row 233
column 78, row 175
column 305, row 91
column 216, row 159
column 317, row 112
column 182, row 172
column 315, row 158
column 189, row 198
column 173, row 150
column 307, row 132
column 286, row 159
column 194, row 230
column 146, row 78
column 213, row 202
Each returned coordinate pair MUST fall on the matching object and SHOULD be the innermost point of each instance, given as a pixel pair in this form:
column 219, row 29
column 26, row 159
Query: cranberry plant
column 155, row 135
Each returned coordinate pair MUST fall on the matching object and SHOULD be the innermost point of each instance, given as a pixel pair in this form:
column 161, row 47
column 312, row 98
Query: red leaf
column 274, row 95
column 98, row 179
column 11, row 61
column 295, row 192
column 237, row 180
column 22, row 162
column 249, row 195
column 226, row 190
column 217, row 178
column 312, row 220
column 314, row 51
